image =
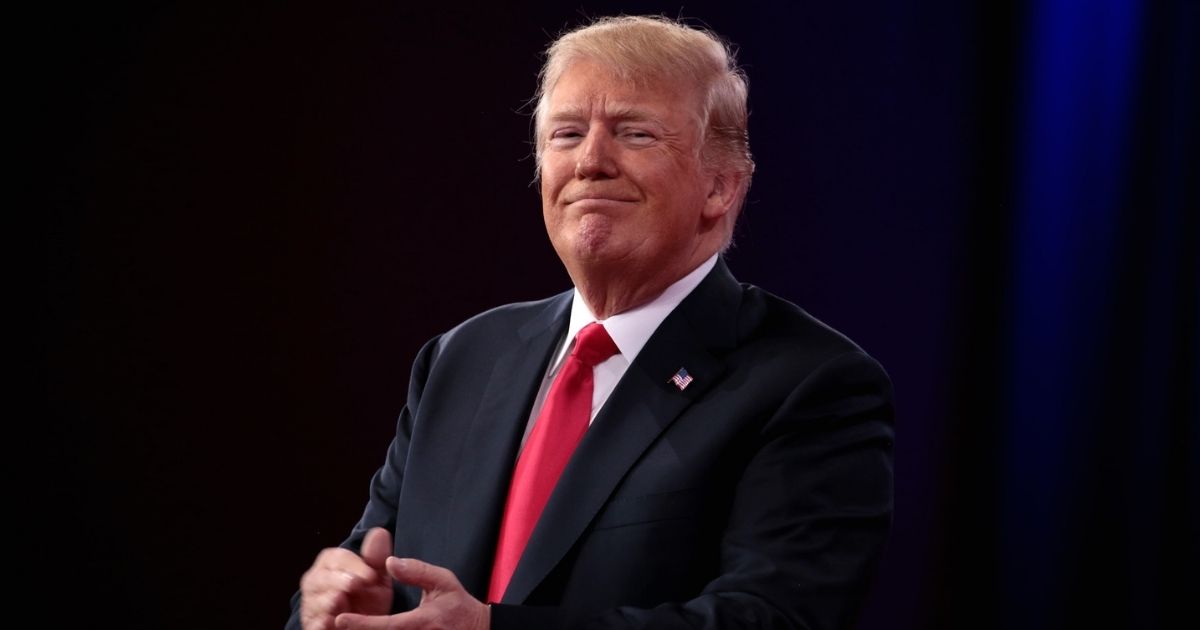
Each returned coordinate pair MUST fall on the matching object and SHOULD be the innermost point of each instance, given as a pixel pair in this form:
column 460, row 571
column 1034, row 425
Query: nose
column 596, row 159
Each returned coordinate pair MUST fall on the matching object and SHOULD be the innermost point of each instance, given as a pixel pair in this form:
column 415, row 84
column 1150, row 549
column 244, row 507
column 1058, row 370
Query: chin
column 593, row 236
column 591, row 255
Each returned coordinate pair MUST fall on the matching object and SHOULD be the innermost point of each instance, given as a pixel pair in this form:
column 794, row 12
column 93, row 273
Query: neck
column 611, row 292
column 606, row 300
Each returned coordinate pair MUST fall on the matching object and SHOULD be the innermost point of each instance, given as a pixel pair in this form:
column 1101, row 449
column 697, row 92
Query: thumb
column 376, row 547
column 427, row 577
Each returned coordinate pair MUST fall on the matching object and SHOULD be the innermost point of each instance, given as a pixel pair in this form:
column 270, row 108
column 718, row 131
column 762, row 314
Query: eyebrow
column 620, row 112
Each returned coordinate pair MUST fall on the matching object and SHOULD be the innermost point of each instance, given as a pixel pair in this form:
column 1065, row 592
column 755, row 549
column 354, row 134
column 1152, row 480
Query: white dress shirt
column 629, row 331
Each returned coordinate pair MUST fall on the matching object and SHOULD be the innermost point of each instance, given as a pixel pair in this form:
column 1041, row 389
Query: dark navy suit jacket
column 759, row 496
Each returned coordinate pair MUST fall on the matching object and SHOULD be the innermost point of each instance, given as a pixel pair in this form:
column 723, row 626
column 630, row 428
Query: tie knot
column 593, row 345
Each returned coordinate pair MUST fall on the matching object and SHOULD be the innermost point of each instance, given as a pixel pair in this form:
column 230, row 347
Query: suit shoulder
column 783, row 346
column 506, row 320
column 767, row 320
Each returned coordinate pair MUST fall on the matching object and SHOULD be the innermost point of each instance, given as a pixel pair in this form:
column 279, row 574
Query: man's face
column 624, row 191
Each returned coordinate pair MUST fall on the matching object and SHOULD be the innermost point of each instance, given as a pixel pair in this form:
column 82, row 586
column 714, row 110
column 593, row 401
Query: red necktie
column 559, row 427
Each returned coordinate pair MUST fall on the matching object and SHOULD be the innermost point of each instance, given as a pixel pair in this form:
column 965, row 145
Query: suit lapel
column 494, row 435
column 642, row 406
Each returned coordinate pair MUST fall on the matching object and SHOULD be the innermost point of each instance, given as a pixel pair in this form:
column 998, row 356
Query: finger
column 354, row 621
column 315, row 624
column 312, row 620
column 337, row 560
column 427, row 577
column 323, row 580
column 317, row 612
column 376, row 547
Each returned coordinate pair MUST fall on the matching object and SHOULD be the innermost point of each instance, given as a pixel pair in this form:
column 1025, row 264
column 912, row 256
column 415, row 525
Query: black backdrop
column 258, row 213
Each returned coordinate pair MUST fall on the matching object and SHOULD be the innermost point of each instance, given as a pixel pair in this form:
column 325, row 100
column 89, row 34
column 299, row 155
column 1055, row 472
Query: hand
column 444, row 602
column 340, row 581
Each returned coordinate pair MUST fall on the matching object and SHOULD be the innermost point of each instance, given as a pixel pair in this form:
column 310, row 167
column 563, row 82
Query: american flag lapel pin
column 681, row 379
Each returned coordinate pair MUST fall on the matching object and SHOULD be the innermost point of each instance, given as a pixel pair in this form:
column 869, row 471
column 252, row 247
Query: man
column 659, row 448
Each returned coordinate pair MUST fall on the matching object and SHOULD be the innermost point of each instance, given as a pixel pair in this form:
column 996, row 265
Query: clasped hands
column 347, row 591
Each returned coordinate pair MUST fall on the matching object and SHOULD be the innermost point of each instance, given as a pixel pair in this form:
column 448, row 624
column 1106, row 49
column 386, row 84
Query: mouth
column 598, row 199
column 598, row 205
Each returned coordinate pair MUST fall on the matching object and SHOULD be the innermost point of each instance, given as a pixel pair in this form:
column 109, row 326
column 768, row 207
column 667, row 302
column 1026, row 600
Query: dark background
column 257, row 213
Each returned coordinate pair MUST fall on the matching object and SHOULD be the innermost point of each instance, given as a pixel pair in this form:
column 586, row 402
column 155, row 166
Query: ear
column 722, row 194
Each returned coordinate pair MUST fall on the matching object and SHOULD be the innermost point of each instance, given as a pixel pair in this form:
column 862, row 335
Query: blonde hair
column 644, row 48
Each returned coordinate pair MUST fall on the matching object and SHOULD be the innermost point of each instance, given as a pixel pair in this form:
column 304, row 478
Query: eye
column 564, row 136
column 637, row 136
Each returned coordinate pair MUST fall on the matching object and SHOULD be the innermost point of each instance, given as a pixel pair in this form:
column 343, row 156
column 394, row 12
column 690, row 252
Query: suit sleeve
column 387, row 480
column 809, row 520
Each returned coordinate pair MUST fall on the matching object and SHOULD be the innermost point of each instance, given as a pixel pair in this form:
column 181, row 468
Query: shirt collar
column 631, row 329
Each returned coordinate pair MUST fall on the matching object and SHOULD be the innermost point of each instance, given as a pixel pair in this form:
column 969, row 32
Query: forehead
column 588, row 88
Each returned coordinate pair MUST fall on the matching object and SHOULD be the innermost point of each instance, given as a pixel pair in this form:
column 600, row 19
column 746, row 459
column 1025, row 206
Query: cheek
column 556, row 171
column 549, row 187
column 552, row 212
